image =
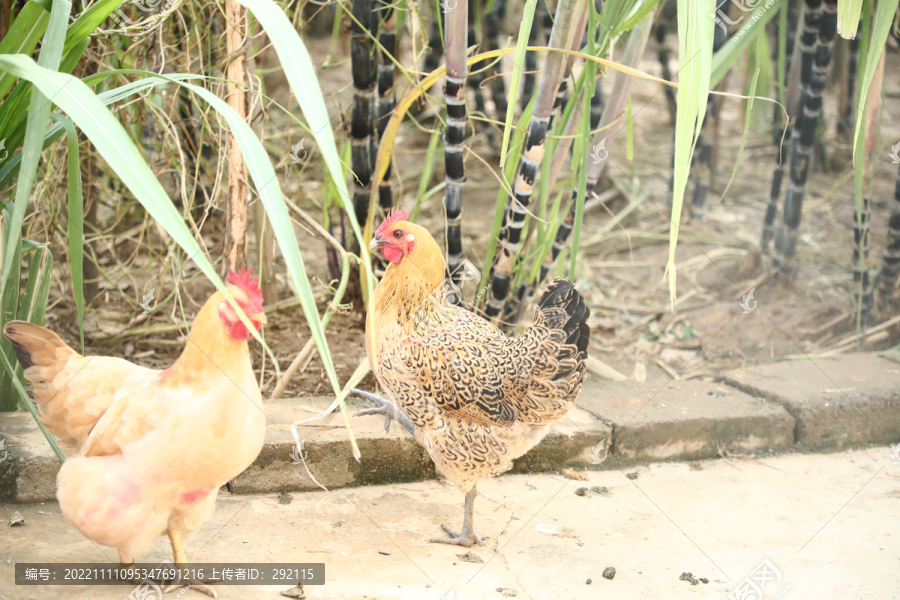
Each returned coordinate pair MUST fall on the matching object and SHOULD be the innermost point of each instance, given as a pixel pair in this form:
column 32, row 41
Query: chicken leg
column 383, row 407
column 181, row 559
column 468, row 537
column 126, row 563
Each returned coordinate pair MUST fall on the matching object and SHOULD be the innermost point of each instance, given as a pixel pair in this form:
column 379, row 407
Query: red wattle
column 238, row 332
column 392, row 254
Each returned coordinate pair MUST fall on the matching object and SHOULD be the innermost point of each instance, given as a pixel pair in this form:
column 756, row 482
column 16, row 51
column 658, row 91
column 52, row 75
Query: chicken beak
column 261, row 318
column 376, row 243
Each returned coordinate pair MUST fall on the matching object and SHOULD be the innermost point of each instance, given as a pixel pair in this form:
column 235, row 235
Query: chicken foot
column 468, row 537
column 386, row 408
column 181, row 559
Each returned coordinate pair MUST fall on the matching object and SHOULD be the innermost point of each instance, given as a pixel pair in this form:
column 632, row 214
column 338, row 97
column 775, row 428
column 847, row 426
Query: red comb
column 396, row 214
column 250, row 285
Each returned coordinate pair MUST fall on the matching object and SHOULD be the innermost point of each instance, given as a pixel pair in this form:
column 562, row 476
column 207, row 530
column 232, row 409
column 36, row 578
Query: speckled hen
column 148, row 450
column 473, row 397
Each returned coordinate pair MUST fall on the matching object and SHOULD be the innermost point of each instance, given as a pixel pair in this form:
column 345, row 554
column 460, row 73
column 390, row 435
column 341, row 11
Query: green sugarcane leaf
column 782, row 51
column 30, row 306
column 85, row 24
column 747, row 113
column 509, row 173
column 884, row 17
column 729, row 54
column 585, row 142
column 266, row 182
column 645, row 9
column 848, row 12
column 116, row 147
column 695, row 43
column 427, row 171
column 37, row 288
column 22, row 37
column 764, row 82
column 16, row 103
column 75, row 221
column 518, row 65
column 76, row 38
column 38, row 115
column 9, row 309
column 10, row 167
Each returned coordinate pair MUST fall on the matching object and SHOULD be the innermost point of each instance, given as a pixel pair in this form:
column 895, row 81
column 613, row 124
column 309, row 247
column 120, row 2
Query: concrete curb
column 616, row 424
column 844, row 402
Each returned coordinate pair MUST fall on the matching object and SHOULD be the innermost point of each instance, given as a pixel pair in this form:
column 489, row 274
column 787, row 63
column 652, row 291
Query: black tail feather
column 22, row 352
column 562, row 294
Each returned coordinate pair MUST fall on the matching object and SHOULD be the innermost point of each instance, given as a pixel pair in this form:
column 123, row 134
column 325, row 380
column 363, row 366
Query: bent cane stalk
column 533, row 153
column 618, row 97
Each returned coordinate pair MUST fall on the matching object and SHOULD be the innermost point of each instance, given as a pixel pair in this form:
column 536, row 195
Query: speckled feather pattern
column 478, row 398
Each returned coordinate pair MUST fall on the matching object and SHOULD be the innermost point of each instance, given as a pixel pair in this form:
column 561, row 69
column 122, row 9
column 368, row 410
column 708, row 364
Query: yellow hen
column 148, row 450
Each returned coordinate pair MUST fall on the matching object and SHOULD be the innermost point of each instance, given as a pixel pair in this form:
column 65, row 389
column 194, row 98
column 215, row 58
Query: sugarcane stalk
column 848, row 104
column 559, row 157
column 492, row 22
column 565, row 144
column 530, row 162
column 860, row 256
column 793, row 62
column 387, row 38
column 768, row 231
column 574, row 122
column 598, row 103
column 561, row 153
column 265, row 238
column 456, row 25
column 864, row 291
column 573, row 42
column 604, row 138
column 890, row 267
column 236, row 96
column 361, row 119
column 663, row 53
column 702, row 168
column 817, row 44
column 531, row 57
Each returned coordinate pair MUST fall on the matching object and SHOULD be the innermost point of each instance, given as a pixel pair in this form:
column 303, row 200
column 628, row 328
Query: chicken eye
column 398, row 234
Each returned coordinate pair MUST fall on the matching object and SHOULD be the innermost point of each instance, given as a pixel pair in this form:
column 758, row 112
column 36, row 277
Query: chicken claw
column 181, row 559
column 383, row 407
column 467, row 540
column 468, row 537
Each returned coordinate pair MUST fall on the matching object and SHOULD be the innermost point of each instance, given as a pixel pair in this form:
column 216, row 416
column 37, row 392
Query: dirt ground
column 826, row 522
